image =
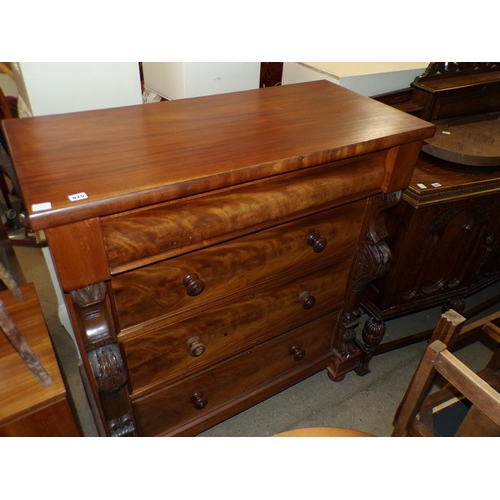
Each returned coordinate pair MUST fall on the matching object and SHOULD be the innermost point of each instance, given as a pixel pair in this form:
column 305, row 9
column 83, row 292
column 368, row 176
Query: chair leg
column 447, row 330
column 17, row 340
column 417, row 390
column 5, row 190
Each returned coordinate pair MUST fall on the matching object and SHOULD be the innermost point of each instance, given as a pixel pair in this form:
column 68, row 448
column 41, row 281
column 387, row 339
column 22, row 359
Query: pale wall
column 364, row 78
column 62, row 87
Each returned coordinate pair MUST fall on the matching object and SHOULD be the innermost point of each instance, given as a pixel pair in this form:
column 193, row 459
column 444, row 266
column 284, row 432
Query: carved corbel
column 373, row 262
column 90, row 304
column 104, row 356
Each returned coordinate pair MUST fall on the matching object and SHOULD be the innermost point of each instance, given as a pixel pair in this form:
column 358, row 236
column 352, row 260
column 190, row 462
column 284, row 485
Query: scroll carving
column 91, row 304
column 373, row 262
column 438, row 70
column 104, row 356
column 108, row 369
column 347, row 343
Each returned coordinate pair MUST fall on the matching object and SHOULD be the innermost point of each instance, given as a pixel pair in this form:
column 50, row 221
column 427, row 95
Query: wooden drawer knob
column 317, row 242
column 195, row 347
column 199, row 401
column 297, row 353
column 194, row 286
column 307, row 300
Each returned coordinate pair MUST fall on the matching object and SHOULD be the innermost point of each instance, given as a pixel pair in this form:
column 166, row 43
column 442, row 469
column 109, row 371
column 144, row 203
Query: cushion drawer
column 162, row 411
column 174, row 227
column 164, row 353
column 232, row 266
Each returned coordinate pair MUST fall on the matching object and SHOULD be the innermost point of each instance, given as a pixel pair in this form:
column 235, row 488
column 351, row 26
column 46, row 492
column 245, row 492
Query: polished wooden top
column 125, row 158
column 20, row 391
column 467, row 141
column 461, row 81
column 436, row 180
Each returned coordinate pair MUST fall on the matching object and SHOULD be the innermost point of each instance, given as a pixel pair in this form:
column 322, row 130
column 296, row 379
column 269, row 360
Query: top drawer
column 142, row 236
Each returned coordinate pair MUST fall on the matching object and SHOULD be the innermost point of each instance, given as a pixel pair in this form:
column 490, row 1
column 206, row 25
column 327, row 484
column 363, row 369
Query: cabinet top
column 76, row 166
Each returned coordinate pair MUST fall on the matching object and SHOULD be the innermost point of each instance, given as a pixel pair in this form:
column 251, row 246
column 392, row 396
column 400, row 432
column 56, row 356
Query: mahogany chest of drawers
column 213, row 251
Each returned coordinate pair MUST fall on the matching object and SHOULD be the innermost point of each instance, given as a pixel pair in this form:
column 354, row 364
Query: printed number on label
column 77, row 197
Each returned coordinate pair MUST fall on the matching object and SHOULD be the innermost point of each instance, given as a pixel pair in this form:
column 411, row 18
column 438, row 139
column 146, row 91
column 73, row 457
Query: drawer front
column 166, row 409
column 175, row 227
column 167, row 287
column 173, row 350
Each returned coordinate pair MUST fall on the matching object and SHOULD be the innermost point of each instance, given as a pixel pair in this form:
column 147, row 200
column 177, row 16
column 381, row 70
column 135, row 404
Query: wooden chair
column 417, row 412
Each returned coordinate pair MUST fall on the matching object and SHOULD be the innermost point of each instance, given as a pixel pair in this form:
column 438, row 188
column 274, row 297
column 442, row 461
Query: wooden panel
column 396, row 176
column 134, row 156
column 439, row 250
column 56, row 420
column 232, row 326
column 175, row 227
column 254, row 258
column 21, row 394
column 78, row 254
column 162, row 411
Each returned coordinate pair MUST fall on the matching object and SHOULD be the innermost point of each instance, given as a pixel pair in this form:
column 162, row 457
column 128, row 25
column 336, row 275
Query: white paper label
column 41, row 206
column 77, row 196
column 422, row 186
column 436, row 185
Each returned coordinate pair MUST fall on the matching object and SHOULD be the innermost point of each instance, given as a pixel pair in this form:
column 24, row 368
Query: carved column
column 105, row 359
column 372, row 263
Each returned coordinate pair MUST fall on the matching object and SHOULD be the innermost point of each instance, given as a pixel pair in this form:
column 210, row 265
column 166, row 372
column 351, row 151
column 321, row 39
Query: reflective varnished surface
column 222, row 245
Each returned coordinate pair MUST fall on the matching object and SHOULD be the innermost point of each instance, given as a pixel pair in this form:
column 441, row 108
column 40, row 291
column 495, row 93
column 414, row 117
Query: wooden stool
column 323, row 432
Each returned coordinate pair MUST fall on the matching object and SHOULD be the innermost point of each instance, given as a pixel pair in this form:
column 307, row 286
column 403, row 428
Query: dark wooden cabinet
column 445, row 243
column 444, row 236
column 213, row 251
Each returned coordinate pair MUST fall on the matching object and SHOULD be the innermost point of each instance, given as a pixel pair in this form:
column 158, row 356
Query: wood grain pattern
column 125, row 158
column 233, row 266
column 196, row 219
column 79, row 253
column 164, row 410
column 171, row 228
column 28, row 408
column 435, row 179
column 232, row 326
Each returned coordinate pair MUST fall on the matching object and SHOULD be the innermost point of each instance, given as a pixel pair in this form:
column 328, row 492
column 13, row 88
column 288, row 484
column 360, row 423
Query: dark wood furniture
column 28, row 408
column 445, row 234
column 271, row 74
column 5, row 114
column 213, row 251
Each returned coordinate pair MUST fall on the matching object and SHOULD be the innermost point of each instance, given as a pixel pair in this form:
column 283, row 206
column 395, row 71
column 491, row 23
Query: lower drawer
column 207, row 338
column 195, row 398
column 238, row 264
